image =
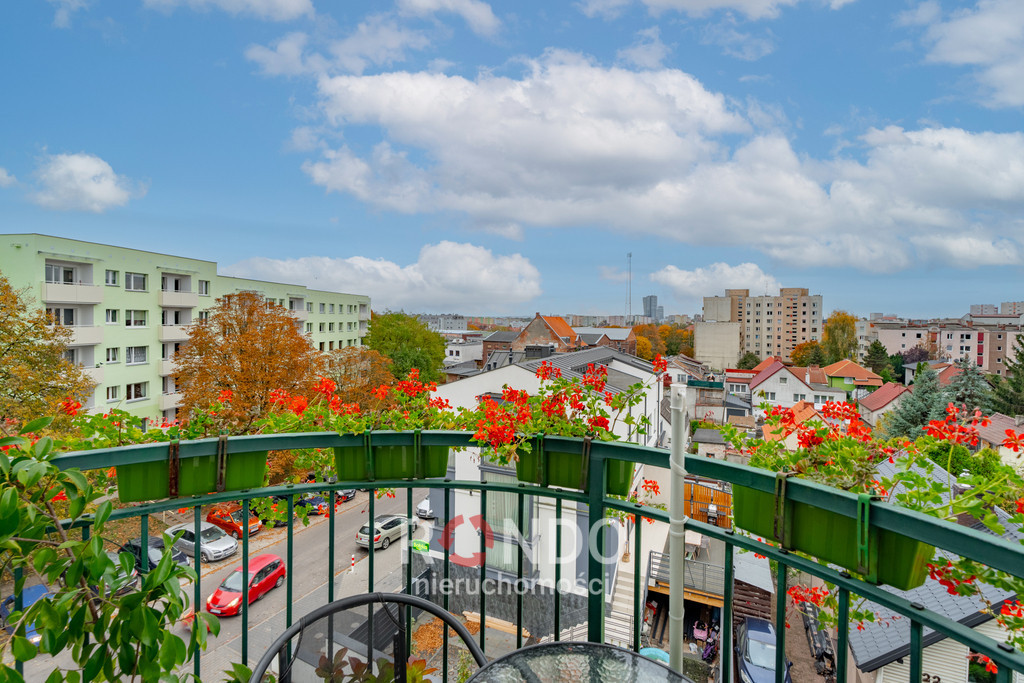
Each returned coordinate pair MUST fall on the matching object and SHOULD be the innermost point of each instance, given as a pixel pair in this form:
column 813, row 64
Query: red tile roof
column 861, row 375
column 883, row 396
column 560, row 327
column 766, row 372
column 947, row 374
column 802, row 411
column 767, row 363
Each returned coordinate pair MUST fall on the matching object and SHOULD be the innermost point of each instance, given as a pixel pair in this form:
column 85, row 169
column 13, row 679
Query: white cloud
column 736, row 43
column 477, row 14
column 379, row 40
column 571, row 143
column 692, row 285
column 988, row 37
column 925, row 13
column 65, row 8
column 446, row 276
column 272, row 10
column 978, row 250
column 612, row 274
column 286, row 57
column 6, row 179
column 82, row 182
column 648, row 52
column 752, row 9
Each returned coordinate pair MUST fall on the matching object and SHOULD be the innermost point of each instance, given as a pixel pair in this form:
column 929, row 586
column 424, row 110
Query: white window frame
column 113, row 393
column 136, row 391
column 136, row 355
column 131, row 321
column 113, row 354
column 131, row 282
column 110, row 277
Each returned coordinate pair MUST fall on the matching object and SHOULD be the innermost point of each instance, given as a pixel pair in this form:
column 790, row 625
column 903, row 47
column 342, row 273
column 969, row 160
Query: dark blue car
column 755, row 652
column 28, row 596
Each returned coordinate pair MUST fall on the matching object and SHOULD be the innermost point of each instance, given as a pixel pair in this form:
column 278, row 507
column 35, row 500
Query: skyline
column 725, row 143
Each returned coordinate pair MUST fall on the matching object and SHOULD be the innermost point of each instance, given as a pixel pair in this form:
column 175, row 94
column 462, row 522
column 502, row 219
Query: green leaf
column 23, row 649
column 54, row 677
column 36, row 425
column 102, row 514
column 13, row 441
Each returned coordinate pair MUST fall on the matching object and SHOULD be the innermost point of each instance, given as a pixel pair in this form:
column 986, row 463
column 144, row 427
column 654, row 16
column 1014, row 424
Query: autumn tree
column 678, row 340
column 653, row 335
column 644, row 348
column 409, row 343
column 807, row 353
column 915, row 355
column 36, row 379
column 358, row 371
column 247, row 348
column 748, row 361
column 877, row 357
column 839, row 340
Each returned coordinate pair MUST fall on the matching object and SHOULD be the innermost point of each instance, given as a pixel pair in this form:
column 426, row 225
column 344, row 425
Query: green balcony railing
column 984, row 548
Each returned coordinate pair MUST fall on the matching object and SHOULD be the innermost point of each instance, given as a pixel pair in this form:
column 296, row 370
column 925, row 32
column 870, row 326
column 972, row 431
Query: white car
column 214, row 544
column 424, row 511
column 387, row 529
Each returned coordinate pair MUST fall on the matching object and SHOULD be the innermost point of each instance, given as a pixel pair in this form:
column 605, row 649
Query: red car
column 265, row 572
column 229, row 518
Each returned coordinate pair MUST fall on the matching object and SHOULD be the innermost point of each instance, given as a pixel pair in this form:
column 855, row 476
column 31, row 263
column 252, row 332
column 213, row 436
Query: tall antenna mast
column 629, row 288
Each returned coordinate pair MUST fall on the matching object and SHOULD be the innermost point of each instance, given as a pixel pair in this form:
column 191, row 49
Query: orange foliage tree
column 246, row 348
column 644, row 348
column 35, row 376
column 653, row 336
column 358, row 371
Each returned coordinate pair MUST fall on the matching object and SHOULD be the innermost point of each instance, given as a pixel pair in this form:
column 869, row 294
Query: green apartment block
column 129, row 310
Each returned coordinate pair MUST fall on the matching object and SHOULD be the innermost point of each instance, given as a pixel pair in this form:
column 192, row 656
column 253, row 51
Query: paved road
column 310, row 576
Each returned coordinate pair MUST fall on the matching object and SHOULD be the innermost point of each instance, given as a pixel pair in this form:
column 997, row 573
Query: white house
column 779, row 386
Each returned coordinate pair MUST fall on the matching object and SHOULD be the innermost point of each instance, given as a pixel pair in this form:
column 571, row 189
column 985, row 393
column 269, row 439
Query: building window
column 61, row 275
column 309, row 328
column 111, row 316
column 112, row 354
column 769, row 395
column 136, row 391
column 204, row 288
column 330, row 326
column 204, row 315
column 111, row 278
column 134, row 318
column 783, row 380
column 113, row 393
column 321, row 346
column 323, row 327
column 309, row 307
column 62, row 316
column 799, row 397
column 135, row 282
column 135, row 355
column 323, row 308
column 330, row 346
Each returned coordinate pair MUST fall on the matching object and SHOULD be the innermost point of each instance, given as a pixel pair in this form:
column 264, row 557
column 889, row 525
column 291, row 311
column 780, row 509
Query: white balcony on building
column 72, row 293
column 95, row 374
column 173, row 299
column 169, row 401
column 364, row 312
column 166, row 368
column 173, row 333
column 85, row 335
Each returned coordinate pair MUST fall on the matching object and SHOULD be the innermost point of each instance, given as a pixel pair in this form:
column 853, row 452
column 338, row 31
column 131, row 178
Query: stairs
column 618, row 624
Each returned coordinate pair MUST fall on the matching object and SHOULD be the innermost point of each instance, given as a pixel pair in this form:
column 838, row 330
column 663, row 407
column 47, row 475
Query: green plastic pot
column 389, row 462
column 196, row 476
column 567, row 470
column 831, row 537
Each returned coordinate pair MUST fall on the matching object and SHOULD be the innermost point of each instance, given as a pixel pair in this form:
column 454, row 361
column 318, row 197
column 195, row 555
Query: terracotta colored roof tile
column 883, row 396
column 861, row 375
column 560, row 327
column 767, row 362
column 765, row 373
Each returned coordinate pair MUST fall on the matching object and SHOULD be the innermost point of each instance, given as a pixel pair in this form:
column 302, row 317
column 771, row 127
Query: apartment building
column 769, row 325
column 129, row 311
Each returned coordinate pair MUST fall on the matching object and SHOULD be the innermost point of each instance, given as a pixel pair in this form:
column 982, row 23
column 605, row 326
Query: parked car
column 345, row 495
column 214, row 544
column 423, row 510
column 229, row 518
column 156, row 552
column 755, row 652
column 127, row 580
column 265, row 572
column 387, row 528
column 28, row 596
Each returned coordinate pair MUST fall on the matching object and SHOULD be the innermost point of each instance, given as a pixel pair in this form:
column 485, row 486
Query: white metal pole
column 677, row 525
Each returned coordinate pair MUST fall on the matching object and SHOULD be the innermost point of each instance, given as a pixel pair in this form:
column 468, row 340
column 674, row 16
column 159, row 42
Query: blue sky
column 504, row 157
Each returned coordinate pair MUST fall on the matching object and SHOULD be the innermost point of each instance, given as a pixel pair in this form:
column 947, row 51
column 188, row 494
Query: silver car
column 387, row 528
column 214, row 544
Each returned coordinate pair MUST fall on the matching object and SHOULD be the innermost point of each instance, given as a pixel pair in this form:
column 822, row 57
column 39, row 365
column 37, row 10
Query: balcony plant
column 107, row 636
column 840, row 452
column 512, row 429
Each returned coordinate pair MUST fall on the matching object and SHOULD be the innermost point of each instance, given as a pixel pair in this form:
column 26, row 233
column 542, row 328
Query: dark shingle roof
column 502, row 336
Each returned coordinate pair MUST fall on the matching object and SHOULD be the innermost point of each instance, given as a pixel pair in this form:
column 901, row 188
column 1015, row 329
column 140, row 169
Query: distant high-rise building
column 660, row 314
column 769, row 325
column 651, row 307
column 1010, row 308
column 984, row 309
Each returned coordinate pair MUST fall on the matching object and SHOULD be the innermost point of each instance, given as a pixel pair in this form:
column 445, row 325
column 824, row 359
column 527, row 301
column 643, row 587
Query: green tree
column 748, row 361
column 409, row 344
column 925, row 403
column 676, row 340
column 896, row 363
column 36, row 377
column 877, row 358
column 839, row 340
column 969, row 390
column 249, row 347
column 801, row 354
column 1008, row 392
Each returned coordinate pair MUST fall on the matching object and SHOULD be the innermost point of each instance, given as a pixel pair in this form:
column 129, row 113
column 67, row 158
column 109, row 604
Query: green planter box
column 198, row 475
column 390, row 462
column 902, row 561
column 567, row 471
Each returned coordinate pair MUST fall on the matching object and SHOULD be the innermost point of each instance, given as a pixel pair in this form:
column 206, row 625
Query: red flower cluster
column 278, row 397
column 945, row 576
column 990, row 666
column 548, row 371
column 814, row 595
column 70, row 406
column 955, row 430
column 411, row 387
column 1014, row 441
column 1020, row 505
column 660, row 364
column 651, row 486
column 225, row 396
column 325, row 386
